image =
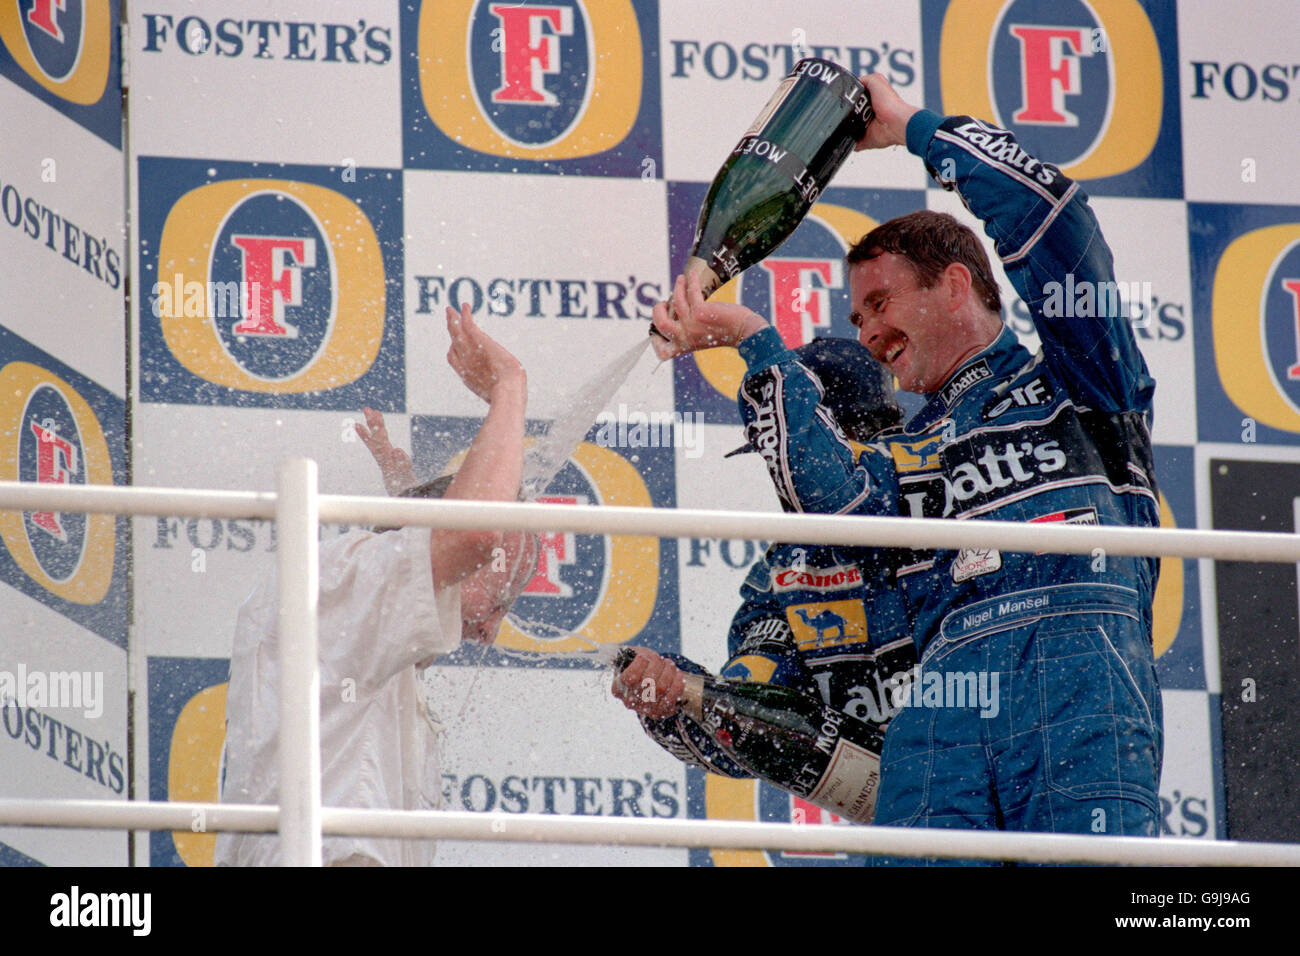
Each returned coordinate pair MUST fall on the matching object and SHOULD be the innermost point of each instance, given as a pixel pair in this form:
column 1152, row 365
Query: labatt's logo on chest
column 987, row 475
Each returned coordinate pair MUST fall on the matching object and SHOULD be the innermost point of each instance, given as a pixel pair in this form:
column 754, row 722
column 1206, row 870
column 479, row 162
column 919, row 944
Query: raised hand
column 394, row 463
column 889, row 127
column 482, row 363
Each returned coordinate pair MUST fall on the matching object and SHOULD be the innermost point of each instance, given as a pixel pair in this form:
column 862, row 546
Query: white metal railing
column 701, row 834
column 300, row 819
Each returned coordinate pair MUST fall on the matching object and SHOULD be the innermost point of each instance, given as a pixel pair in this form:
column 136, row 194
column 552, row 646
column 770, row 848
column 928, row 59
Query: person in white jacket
column 390, row 602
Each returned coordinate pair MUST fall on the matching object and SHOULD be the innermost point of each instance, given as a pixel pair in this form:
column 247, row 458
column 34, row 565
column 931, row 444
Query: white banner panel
column 1187, row 785
column 720, row 67
column 310, row 82
column 62, row 198
column 538, row 740
column 214, row 563
column 63, row 713
column 1239, row 90
column 563, row 271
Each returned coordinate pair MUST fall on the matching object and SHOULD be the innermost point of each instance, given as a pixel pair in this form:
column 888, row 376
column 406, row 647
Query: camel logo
column 55, row 436
column 1081, row 85
column 556, row 81
column 819, row 626
column 268, row 292
column 65, row 51
column 1255, row 315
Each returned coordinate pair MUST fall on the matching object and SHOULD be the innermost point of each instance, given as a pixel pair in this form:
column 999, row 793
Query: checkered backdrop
column 368, row 163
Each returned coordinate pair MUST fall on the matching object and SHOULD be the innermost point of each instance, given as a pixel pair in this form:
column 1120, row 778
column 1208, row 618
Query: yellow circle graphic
column 723, row 368
column 447, row 87
column 1137, row 89
column 1167, row 609
column 194, row 767
column 92, row 579
column 1237, row 316
column 185, row 254
column 627, row 597
column 89, row 78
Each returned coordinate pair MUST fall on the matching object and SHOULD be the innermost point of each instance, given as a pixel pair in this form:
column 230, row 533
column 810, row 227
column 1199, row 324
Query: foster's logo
column 64, row 45
column 65, row 52
column 550, row 81
column 589, row 589
column 268, row 292
column 803, row 288
column 1080, row 85
column 1257, row 284
column 53, row 436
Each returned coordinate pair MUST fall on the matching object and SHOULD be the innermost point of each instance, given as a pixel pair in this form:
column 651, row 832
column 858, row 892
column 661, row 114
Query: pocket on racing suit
column 1100, row 710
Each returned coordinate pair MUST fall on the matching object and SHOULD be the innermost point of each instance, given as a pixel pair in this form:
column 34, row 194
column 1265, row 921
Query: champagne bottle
column 781, row 165
column 790, row 739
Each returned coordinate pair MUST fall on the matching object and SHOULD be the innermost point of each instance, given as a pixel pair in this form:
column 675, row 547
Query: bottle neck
column 692, row 699
column 709, row 281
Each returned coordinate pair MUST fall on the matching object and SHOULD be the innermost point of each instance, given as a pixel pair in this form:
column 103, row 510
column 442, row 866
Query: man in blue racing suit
column 828, row 621
column 1060, row 436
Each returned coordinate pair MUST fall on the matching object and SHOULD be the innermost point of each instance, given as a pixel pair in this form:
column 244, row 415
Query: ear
column 956, row 283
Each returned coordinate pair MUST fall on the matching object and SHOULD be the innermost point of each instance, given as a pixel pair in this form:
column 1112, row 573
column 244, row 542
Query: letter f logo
column 56, row 459
column 1049, row 69
column 41, row 16
column 527, row 54
column 272, row 280
column 799, row 308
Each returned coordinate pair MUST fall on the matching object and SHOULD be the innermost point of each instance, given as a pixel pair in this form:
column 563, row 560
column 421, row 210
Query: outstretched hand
column 693, row 323
column 394, row 463
column 482, row 363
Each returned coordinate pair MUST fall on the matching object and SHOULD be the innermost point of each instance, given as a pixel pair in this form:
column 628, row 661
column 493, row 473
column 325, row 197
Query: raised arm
column 493, row 468
column 1047, row 237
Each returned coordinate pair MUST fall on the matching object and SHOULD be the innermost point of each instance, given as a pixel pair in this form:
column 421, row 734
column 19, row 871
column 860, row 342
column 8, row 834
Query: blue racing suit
column 1075, row 744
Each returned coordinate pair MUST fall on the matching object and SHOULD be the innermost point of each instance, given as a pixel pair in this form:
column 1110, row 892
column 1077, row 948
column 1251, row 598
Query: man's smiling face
column 906, row 327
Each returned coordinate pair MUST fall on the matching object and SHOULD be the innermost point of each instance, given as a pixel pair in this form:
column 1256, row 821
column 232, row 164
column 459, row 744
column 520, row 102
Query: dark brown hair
column 930, row 242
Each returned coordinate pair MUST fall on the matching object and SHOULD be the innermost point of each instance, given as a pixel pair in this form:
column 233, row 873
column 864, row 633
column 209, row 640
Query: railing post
column 297, row 518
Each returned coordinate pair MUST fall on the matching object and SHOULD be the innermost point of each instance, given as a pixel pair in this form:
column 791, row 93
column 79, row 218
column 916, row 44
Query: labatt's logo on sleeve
column 1255, row 313
column 552, row 81
column 63, row 45
column 272, row 290
column 53, row 436
column 1081, row 85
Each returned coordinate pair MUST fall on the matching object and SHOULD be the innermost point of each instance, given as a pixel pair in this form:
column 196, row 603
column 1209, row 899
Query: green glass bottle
column 781, row 165
column 789, row 739
column 794, row 741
